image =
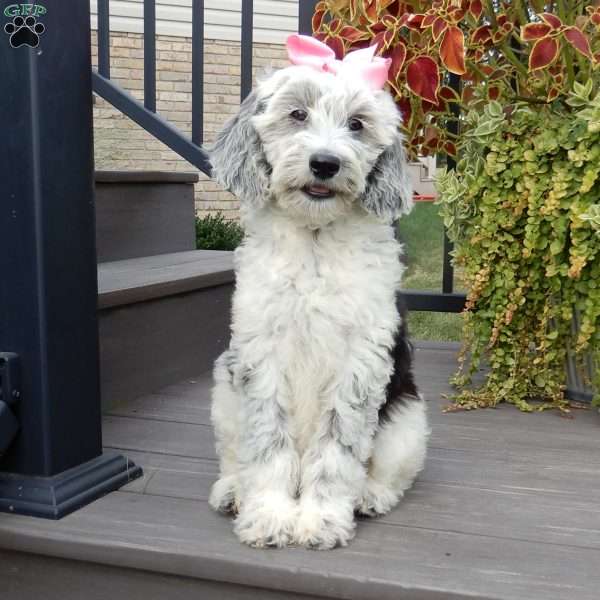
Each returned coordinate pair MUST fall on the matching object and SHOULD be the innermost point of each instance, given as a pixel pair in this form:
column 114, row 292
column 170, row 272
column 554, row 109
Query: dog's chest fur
column 322, row 302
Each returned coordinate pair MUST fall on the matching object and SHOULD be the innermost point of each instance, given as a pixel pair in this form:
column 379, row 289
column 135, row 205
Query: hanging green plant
column 523, row 211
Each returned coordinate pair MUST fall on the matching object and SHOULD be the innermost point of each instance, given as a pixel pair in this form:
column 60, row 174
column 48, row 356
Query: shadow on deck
column 508, row 507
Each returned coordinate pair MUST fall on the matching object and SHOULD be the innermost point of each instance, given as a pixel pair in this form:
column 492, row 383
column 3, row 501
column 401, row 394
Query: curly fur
column 315, row 412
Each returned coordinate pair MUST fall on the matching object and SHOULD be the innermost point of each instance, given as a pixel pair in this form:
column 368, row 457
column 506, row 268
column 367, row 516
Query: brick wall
column 121, row 144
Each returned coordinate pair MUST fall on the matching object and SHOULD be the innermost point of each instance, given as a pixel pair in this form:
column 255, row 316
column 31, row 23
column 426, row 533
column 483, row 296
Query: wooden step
column 161, row 319
column 507, row 508
column 144, row 213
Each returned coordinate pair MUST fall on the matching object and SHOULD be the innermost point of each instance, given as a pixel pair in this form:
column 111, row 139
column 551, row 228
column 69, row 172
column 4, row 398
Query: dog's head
column 315, row 146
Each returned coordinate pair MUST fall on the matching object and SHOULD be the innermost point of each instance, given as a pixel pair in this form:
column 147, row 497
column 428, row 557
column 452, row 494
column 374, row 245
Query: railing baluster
column 306, row 9
column 150, row 55
column 197, row 71
column 104, row 38
column 247, row 34
column 448, row 269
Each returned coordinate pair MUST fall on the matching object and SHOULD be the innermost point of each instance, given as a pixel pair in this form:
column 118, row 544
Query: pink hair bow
column 307, row 51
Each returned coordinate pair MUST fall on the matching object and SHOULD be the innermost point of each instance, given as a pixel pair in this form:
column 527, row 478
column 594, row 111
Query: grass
column 422, row 233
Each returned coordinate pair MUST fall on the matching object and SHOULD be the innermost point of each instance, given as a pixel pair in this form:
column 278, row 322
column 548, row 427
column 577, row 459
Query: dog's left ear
column 237, row 156
column 389, row 191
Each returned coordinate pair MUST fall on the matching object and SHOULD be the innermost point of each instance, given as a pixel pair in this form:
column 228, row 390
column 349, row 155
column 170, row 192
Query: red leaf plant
column 527, row 51
column 423, row 78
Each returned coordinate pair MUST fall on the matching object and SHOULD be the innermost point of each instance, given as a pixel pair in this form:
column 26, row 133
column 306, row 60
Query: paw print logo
column 24, row 32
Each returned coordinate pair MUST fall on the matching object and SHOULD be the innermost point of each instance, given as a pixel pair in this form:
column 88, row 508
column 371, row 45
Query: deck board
column 507, row 508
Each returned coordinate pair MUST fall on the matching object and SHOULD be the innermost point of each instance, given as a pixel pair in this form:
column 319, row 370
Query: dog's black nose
column 324, row 166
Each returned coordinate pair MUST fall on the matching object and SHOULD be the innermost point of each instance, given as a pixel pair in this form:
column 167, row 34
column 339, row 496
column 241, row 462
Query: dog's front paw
column 266, row 521
column 377, row 500
column 324, row 525
column 223, row 495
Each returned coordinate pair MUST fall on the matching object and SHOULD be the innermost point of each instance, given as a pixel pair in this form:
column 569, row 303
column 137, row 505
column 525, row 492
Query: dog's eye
column 299, row 115
column 355, row 124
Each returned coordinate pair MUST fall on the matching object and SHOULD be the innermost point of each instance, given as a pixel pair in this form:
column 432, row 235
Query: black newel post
column 48, row 292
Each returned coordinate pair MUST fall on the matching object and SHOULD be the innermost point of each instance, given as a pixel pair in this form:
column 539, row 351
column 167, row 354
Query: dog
column 316, row 414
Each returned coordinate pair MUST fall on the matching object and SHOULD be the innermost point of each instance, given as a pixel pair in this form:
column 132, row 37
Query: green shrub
column 521, row 210
column 214, row 232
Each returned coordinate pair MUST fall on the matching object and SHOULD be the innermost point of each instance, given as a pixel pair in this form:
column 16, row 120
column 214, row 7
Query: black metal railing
column 145, row 115
column 190, row 148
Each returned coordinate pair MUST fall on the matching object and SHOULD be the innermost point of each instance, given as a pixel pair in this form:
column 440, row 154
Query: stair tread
column 140, row 279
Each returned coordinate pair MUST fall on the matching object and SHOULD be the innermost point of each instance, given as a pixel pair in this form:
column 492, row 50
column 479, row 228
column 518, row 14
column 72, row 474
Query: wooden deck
column 508, row 507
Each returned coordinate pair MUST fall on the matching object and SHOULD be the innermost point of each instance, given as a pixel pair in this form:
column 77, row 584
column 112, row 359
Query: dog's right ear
column 237, row 156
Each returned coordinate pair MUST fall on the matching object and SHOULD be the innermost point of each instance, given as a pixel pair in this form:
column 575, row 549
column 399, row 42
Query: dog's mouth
column 318, row 192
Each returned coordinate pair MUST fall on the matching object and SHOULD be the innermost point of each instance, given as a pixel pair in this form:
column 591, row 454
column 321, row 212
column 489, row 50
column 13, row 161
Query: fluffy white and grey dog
column 315, row 410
